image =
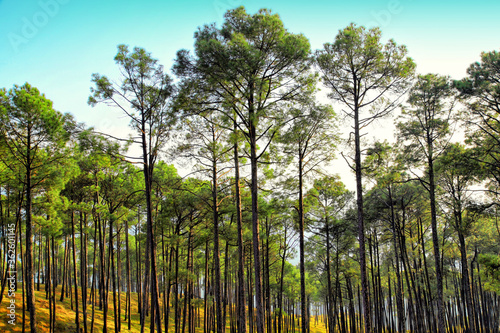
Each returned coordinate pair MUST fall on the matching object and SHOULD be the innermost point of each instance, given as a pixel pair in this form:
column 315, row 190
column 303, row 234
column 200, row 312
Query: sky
column 56, row 45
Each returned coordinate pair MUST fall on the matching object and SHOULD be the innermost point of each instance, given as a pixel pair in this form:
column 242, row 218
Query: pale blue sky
column 57, row 44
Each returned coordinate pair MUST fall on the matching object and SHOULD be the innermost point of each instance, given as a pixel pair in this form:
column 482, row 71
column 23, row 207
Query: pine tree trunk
column 280, row 294
column 113, row 273
column 48, row 286
column 216, row 255
column 361, row 224
column 329, row 298
column 259, row 320
column 65, row 268
column 129, row 282
column 83, row 268
column 435, row 241
column 118, row 274
column 30, row 282
column 399, row 290
column 241, row 254
column 94, row 279
column 148, row 165
column 205, row 301
column 23, row 269
column 75, row 277
column 54, row 284
column 466, row 282
column 303, row 310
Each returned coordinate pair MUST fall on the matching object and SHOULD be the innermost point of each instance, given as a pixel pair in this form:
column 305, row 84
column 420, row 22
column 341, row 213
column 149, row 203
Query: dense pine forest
column 253, row 229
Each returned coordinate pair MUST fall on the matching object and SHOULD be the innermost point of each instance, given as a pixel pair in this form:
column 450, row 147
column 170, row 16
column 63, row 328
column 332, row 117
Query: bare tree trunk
column 30, row 282
column 361, row 224
column 150, row 257
column 205, row 301
column 255, row 216
column 83, row 268
column 94, row 280
column 217, row 276
column 75, row 277
column 303, row 303
column 280, row 294
column 466, row 283
column 48, row 286
column 118, row 274
column 113, row 274
column 65, row 268
column 242, row 326
column 329, row 303
column 54, row 284
column 129, row 282
column 435, row 242
column 399, row 290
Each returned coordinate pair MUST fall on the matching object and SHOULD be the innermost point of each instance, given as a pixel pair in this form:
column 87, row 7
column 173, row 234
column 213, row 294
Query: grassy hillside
column 65, row 317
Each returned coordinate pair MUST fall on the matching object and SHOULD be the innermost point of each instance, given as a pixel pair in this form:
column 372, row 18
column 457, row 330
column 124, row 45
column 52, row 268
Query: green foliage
column 34, row 136
column 425, row 123
column 360, row 71
column 145, row 96
column 249, row 68
column 480, row 91
column 491, row 264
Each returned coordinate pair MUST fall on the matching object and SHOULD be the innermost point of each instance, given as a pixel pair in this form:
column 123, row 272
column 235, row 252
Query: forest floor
column 65, row 316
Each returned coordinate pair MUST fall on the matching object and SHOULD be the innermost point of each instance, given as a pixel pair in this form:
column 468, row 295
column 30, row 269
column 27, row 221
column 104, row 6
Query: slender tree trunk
column 83, row 268
column 303, row 303
column 48, row 281
column 39, row 261
column 167, row 302
column 138, row 269
column 361, row 224
column 255, row 217
column 54, row 284
column 217, row 276
column 267, row 302
column 94, row 280
column 176, row 289
column 399, row 290
column 186, row 289
column 251, row 317
column 23, row 269
column 205, row 300
column 435, row 241
column 30, row 282
column 118, row 274
column 113, row 273
column 329, row 303
column 129, row 282
column 466, row 282
column 241, row 255
column 280, row 294
column 103, row 294
column 65, row 268
column 150, row 259
column 226, row 285
column 75, row 277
